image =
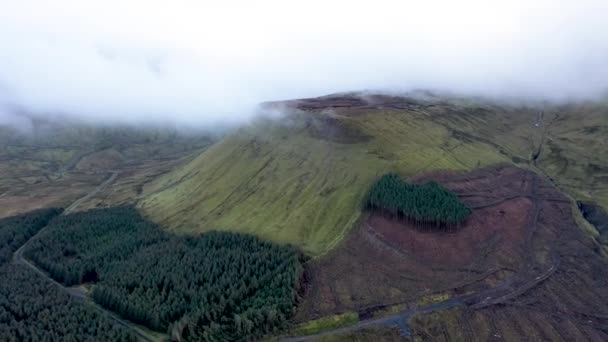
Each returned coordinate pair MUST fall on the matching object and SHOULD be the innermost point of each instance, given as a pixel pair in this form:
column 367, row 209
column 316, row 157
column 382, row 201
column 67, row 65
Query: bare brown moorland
column 520, row 264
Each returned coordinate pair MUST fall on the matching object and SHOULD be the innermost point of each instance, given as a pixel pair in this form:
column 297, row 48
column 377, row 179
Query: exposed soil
column 569, row 305
column 51, row 193
column 349, row 101
column 108, row 159
column 74, row 183
column 499, row 227
column 520, row 263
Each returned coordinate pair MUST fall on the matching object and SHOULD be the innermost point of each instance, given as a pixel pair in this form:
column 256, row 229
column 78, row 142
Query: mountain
column 301, row 179
column 526, row 261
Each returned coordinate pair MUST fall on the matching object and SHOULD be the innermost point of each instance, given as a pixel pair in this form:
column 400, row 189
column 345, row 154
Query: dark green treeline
column 429, row 204
column 213, row 287
column 34, row 309
column 16, row 230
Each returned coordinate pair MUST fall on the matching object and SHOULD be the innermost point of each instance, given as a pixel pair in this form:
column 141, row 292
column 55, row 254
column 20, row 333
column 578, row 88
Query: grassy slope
column 576, row 153
column 285, row 184
column 285, row 181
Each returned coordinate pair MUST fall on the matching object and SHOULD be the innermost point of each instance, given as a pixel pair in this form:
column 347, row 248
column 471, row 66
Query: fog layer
column 196, row 63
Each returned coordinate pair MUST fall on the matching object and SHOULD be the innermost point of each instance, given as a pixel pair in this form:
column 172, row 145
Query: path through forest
column 76, row 292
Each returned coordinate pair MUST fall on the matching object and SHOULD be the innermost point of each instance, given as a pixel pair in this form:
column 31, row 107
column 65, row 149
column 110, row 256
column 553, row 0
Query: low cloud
column 199, row 64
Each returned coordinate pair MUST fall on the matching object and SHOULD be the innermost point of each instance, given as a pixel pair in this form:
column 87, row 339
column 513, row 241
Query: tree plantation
column 213, row 287
column 77, row 247
column 16, row 230
column 33, row 309
column 428, row 203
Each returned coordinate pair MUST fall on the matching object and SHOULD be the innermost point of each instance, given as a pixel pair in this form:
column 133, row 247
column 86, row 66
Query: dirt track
column 73, row 206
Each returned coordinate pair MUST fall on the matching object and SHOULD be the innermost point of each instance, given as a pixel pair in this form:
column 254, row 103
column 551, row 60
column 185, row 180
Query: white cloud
column 193, row 61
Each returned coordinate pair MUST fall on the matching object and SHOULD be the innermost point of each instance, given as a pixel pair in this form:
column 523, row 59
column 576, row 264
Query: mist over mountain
column 201, row 65
column 279, row 171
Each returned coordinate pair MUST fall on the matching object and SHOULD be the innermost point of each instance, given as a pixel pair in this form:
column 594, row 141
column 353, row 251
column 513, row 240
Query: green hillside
column 302, row 179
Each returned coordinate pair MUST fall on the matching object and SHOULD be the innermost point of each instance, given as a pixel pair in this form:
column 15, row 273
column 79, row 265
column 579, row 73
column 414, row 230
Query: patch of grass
column 371, row 334
column 582, row 222
column 575, row 157
column 61, row 161
column 326, row 323
column 56, row 155
column 390, row 310
column 433, row 298
column 427, row 327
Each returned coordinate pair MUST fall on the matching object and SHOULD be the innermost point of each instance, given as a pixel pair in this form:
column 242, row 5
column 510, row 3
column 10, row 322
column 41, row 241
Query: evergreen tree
column 428, row 204
column 193, row 286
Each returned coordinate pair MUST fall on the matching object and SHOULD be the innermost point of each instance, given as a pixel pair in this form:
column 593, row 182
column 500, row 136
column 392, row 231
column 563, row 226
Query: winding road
column 76, row 292
column 78, row 202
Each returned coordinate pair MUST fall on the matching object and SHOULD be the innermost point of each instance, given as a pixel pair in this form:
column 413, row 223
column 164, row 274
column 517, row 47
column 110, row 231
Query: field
column 569, row 305
column 301, row 179
column 57, row 163
column 387, row 262
column 519, row 267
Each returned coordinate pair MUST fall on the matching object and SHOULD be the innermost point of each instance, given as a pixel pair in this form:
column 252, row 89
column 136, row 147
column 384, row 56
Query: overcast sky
column 195, row 62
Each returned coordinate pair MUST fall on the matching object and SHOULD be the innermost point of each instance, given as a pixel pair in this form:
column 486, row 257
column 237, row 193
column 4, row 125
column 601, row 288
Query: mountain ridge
column 278, row 178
